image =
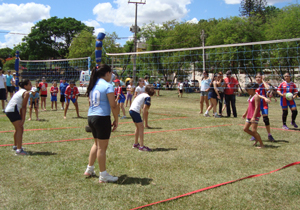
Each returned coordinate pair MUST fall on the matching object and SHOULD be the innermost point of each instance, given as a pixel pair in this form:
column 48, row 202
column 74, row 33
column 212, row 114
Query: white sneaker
column 90, row 171
column 62, row 108
column 105, row 177
column 206, row 115
column 124, row 117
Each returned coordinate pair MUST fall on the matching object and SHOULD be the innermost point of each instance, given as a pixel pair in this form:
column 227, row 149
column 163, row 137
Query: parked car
column 193, row 83
column 84, row 80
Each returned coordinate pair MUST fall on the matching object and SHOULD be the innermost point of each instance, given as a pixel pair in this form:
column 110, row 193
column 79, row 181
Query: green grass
column 183, row 161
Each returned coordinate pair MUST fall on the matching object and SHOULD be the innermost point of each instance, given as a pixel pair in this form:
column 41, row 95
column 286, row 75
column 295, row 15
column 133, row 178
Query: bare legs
column 202, row 100
column 98, row 151
column 253, row 133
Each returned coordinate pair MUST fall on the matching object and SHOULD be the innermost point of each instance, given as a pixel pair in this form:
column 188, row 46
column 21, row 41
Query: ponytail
column 97, row 73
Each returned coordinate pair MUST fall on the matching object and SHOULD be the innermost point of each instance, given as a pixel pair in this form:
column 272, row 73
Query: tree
column 51, row 38
column 251, row 8
column 6, row 53
column 83, row 45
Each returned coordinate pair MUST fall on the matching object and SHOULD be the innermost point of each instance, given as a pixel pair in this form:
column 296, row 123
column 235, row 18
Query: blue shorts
column 121, row 100
column 264, row 111
column 288, row 104
column 53, row 98
column 136, row 117
column 70, row 99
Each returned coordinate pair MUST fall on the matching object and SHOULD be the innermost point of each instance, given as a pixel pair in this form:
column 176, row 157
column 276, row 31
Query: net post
column 89, row 65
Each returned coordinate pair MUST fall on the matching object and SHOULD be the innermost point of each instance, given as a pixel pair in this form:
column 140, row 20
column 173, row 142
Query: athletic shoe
column 217, row 116
column 136, row 146
column 285, row 127
column 124, row 117
column 22, row 152
column 90, row 171
column 15, row 148
column 3, row 110
column 144, row 149
column 206, row 115
column 252, row 138
column 294, row 124
column 104, row 177
column 270, row 137
column 62, row 108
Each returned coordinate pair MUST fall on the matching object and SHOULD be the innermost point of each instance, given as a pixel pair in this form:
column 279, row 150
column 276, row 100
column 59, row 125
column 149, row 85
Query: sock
column 206, row 112
column 19, row 150
column 91, row 167
column 103, row 173
column 294, row 115
column 216, row 114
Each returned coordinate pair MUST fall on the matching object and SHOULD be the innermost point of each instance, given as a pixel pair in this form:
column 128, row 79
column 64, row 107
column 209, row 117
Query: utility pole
column 203, row 45
column 135, row 30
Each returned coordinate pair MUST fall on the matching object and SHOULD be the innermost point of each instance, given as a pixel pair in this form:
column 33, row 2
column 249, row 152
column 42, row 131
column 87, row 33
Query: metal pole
column 203, row 50
column 135, row 40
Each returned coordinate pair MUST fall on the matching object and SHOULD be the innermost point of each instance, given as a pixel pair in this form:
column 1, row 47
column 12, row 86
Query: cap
column 33, row 89
column 14, row 74
column 117, row 81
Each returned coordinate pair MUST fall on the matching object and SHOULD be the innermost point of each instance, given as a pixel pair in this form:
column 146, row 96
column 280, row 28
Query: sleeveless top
column 16, row 100
column 251, row 108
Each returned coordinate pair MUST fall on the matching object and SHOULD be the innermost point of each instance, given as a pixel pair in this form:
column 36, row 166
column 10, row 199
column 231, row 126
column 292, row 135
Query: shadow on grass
column 163, row 149
column 294, row 129
column 125, row 180
column 284, row 141
column 42, row 120
column 31, row 153
column 79, row 117
column 152, row 128
column 271, row 147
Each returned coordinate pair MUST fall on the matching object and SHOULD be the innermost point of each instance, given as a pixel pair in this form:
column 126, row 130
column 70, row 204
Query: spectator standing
column 62, row 88
column 180, row 89
column 43, row 92
column 9, row 85
column 13, row 83
column 3, row 89
column 213, row 95
column 204, row 88
column 146, row 80
column 221, row 86
column 231, row 88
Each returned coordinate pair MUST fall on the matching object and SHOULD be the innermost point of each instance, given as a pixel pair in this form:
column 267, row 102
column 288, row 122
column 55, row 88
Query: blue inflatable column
column 98, row 51
column 17, row 69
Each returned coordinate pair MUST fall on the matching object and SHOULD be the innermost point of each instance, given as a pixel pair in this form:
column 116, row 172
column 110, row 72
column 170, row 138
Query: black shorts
column 13, row 88
column 180, row 91
column 62, row 98
column 14, row 116
column 100, row 126
column 2, row 94
column 10, row 89
column 44, row 96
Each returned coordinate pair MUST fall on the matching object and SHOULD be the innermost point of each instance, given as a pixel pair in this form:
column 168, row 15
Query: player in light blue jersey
column 102, row 102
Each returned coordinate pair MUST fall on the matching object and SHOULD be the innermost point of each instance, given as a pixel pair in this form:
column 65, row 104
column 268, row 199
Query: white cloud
column 19, row 19
column 123, row 13
column 194, row 20
column 270, row 2
column 96, row 25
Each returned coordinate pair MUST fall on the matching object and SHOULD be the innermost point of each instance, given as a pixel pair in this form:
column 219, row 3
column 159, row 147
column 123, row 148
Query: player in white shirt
column 180, row 89
column 130, row 90
column 140, row 88
column 16, row 112
column 3, row 88
column 142, row 100
column 146, row 80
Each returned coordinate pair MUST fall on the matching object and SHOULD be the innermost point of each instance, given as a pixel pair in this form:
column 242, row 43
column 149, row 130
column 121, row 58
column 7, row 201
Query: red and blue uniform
column 261, row 90
column 284, row 88
column 71, row 94
column 54, row 91
column 119, row 91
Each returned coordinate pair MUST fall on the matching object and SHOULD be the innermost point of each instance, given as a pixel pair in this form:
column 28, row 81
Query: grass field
column 190, row 152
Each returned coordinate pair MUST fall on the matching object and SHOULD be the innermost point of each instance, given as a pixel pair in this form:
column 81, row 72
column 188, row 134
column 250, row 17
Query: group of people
column 104, row 100
column 215, row 90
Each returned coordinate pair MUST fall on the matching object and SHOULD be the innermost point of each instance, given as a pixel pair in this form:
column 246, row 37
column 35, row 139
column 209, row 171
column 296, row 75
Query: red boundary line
column 280, row 129
column 215, row 186
column 132, row 134
column 42, row 129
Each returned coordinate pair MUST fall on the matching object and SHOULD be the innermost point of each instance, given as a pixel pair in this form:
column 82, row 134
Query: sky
column 18, row 16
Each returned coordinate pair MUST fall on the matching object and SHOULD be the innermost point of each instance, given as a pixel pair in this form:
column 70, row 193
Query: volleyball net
column 270, row 58
column 54, row 69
